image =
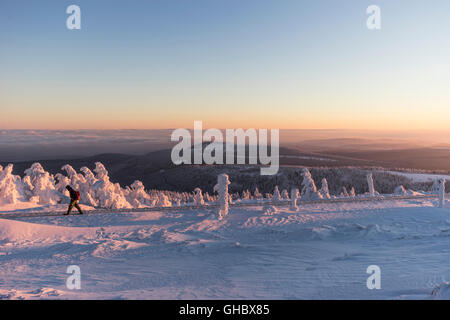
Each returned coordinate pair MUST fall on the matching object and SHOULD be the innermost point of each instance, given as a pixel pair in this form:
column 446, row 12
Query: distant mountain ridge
column 156, row 170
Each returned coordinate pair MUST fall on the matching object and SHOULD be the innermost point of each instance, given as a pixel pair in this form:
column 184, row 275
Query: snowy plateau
column 137, row 244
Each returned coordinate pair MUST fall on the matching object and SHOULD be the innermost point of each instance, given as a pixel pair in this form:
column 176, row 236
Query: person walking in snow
column 74, row 198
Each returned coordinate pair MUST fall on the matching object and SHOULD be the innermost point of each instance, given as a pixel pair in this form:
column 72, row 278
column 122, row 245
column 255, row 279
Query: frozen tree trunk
column 224, row 198
column 370, row 183
column 294, row 197
column 442, row 193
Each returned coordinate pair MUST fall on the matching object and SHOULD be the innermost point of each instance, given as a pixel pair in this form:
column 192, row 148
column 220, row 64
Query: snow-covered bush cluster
column 97, row 190
column 40, row 187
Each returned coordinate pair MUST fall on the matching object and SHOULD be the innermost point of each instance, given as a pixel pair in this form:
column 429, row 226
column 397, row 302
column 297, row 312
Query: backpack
column 77, row 195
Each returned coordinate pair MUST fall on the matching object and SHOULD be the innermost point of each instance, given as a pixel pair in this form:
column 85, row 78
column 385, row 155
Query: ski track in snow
column 320, row 251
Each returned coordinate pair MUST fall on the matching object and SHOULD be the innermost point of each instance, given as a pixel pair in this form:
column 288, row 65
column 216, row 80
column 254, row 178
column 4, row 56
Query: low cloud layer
column 22, row 145
column 27, row 145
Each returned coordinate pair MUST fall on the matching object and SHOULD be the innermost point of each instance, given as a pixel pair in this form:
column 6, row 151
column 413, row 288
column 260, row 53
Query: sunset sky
column 230, row 63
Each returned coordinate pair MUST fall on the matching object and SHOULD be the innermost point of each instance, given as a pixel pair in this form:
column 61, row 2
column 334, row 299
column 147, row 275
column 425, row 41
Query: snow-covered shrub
column 246, row 195
column 163, row 201
column 137, row 196
column 222, row 189
column 198, row 197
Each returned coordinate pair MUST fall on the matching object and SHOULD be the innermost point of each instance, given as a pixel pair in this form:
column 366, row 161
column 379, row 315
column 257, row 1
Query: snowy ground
column 320, row 252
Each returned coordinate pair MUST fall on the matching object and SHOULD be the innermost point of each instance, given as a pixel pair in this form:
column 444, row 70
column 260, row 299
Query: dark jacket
column 73, row 194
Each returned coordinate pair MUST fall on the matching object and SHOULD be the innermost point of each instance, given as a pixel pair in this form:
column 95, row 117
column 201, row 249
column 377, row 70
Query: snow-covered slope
column 321, row 251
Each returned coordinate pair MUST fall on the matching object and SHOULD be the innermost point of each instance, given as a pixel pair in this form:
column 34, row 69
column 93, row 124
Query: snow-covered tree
column 441, row 192
column 276, row 196
column 352, row 192
column 89, row 177
column 42, row 185
column 137, row 196
column 11, row 187
column 163, row 201
column 246, row 195
column 436, row 186
column 62, row 183
column 222, row 189
column 285, row 194
column 108, row 194
column 198, row 197
column 257, row 194
column 344, row 192
column 309, row 189
column 324, row 190
column 294, row 197
column 370, row 183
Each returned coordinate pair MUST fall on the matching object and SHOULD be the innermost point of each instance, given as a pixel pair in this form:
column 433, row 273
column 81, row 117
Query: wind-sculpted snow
column 441, row 291
column 320, row 251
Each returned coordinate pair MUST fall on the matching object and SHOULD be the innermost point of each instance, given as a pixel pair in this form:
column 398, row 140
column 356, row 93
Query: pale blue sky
column 246, row 63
